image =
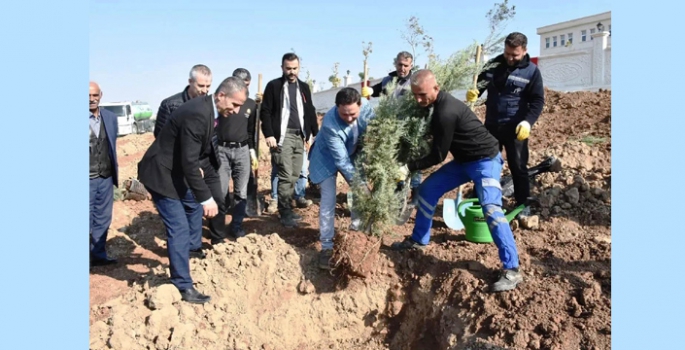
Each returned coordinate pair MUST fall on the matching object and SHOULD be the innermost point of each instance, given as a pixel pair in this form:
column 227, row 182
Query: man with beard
column 457, row 130
column 514, row 103
column 289, row 125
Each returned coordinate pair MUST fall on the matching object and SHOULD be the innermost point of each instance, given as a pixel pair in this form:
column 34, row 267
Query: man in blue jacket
column 334, row 151
column 103, row 174
column 515, row 100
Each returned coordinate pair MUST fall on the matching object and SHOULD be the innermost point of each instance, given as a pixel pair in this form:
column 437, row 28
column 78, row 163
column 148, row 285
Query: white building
column 576, row 54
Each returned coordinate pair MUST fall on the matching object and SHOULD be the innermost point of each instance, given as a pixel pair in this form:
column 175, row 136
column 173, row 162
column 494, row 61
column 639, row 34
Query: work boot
column 508, row 280
column 288, row 220
column 325, row 259
column 273, row 206
column 407, row 244
column 303, row 202
column 524, row 213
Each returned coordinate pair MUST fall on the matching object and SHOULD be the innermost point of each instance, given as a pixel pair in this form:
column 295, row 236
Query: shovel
column 449, row 206
column 254, row 206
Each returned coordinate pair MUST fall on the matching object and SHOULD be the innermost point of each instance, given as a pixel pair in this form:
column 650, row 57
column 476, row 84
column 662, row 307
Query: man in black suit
column 289, row 125
column 171, row 172
column 198, row 86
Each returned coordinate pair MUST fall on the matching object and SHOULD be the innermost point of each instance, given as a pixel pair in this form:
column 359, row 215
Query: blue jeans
column 183, row 221
column 485, row 174
column 299, row 185
column 101, row 202
column 327, row 213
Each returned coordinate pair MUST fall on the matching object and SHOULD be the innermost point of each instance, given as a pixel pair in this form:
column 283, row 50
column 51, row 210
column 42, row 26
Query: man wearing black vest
column 103, row 174
column 404, row 62
column 514, row 103
column 288, row 123
column 236, row 135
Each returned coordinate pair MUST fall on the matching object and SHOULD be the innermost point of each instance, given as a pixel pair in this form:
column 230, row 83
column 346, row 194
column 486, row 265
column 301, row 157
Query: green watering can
column 475, row 226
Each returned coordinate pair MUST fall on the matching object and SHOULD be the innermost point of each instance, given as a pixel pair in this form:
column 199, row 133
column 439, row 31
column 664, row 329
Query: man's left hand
column 253, row 159
column 522, row 130
column 258, row 98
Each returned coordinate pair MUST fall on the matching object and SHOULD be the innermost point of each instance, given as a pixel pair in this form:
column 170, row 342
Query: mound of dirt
column 260, row 300
column 268, row 293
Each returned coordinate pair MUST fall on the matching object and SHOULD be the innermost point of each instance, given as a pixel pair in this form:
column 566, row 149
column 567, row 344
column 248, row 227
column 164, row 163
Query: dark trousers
column 101, row 201
column 235, row 165
column 183, row 221
column 289, row 160
column 517, row 158
column 217, row 224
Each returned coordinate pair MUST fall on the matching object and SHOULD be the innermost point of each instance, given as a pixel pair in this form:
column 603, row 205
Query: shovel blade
column 450, row 215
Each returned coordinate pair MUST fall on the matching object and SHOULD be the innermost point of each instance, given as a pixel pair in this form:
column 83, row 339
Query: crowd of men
column 204, row 140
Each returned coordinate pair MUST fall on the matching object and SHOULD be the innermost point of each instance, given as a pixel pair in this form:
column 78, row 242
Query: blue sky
column 143, row 50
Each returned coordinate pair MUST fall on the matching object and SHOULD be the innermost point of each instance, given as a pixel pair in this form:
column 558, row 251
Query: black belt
column 232, row 144
column 297, row 132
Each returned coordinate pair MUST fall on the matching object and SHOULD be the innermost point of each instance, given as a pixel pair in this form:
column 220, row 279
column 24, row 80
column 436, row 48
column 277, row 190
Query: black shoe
column 238, row 232
column 407, row 244
column 103, row 262
column 218, row 241
column 288, row 221
column 198, row 253
column 191, row 295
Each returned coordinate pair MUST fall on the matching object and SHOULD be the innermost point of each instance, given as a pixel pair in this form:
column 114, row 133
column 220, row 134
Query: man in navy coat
column 103, row 175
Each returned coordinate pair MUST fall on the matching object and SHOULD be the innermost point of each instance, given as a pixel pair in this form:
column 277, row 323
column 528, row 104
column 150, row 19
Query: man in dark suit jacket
column 104, row 171
column 171, row 172
column 288, row 123
column 199, row 82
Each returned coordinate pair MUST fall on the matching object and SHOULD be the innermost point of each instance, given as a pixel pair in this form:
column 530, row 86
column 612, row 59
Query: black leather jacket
column 167, row 107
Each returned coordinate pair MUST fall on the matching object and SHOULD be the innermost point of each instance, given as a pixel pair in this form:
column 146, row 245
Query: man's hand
column 253, row 159
column 271, row 142
column 402, row 173
column 258, row 98
column 308, row 144
column 523, row 130
column 472, row 95
column 202, row 173
column 367, row 91
column 210, row 209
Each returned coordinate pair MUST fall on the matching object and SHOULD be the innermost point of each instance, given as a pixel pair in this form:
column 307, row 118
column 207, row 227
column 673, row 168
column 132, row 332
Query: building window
column 563, row 39
column 610, row 30
column 554, row 41
column 583, row 35
column 546, row 43
column 592, row 31
column 570, row 38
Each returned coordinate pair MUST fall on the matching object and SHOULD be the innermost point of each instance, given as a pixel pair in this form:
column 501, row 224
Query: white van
column 133, row 117
column 124, row 115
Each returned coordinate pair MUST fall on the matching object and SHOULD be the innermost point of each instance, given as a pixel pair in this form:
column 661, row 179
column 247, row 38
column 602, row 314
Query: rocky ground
column 267, row 292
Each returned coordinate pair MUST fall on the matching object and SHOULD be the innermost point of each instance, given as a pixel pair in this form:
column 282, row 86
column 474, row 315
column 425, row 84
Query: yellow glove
column 402, row 173
column 472, row 95
column 367, row 91
column 522, row 130
column 253, row 159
